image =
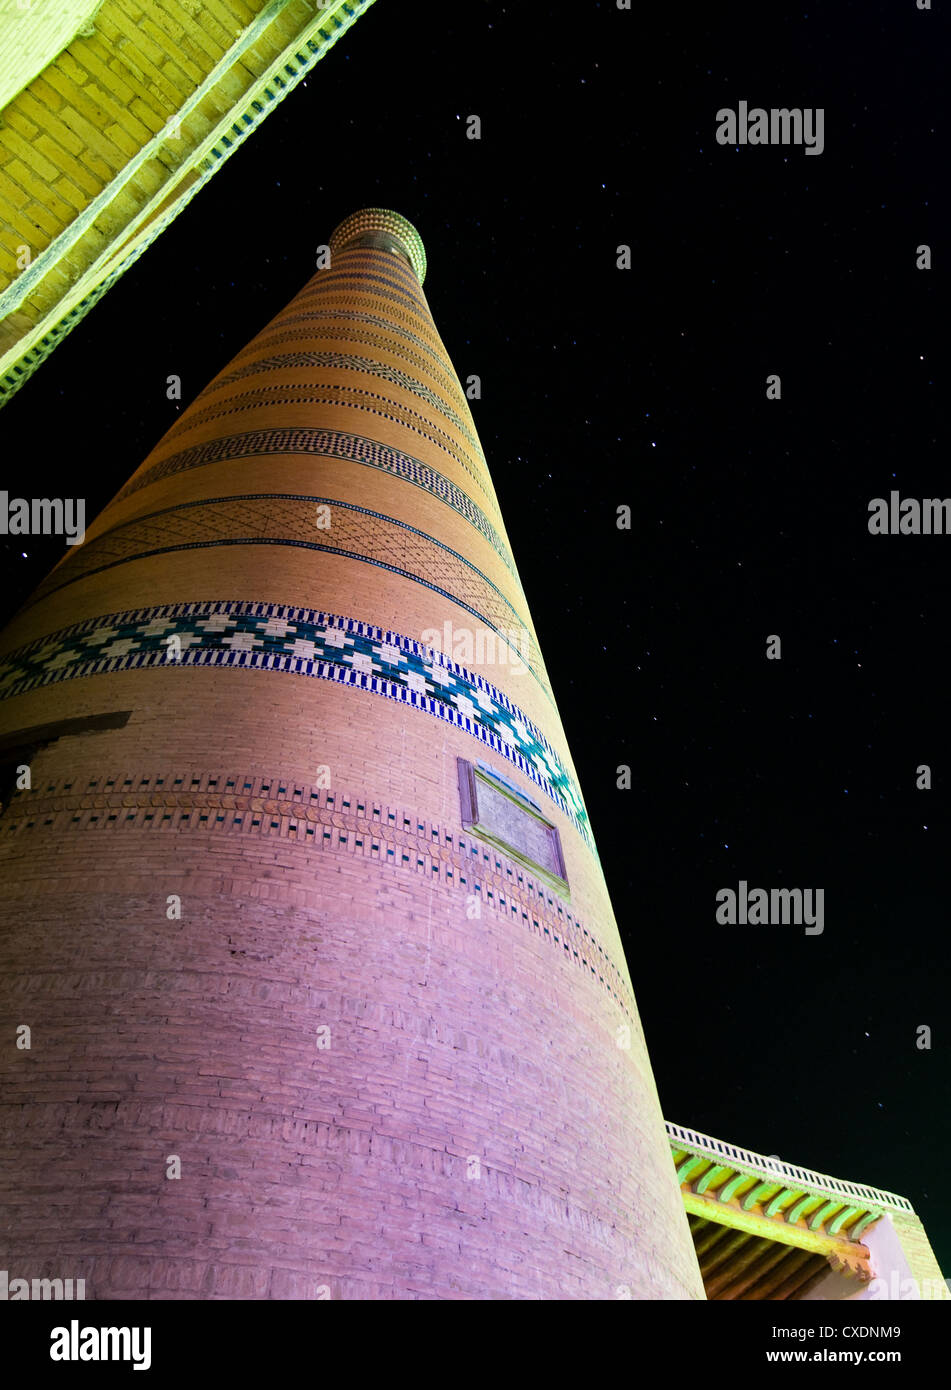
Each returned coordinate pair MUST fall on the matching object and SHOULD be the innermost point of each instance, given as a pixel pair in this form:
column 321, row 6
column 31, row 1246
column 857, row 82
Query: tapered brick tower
column 302, row 902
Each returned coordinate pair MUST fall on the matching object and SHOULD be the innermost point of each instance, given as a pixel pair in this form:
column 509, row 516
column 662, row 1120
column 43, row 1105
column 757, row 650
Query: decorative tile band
column 341, row 327
column 353, row 274
column 360, row 285
column 290, row 519
column 354, row 364
column 346, row 301
column 344, row 396
column 335, row 821
column 371, row 255
column 335, row 444
column 302, row 641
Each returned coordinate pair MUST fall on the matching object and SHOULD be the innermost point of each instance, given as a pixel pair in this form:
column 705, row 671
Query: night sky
column 647, row 388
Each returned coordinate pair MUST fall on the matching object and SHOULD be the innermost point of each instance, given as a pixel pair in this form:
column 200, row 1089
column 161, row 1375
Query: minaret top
column 386, row 230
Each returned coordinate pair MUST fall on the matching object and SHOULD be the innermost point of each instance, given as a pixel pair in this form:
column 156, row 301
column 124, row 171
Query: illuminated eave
column 776, row 1200
column 45, row 300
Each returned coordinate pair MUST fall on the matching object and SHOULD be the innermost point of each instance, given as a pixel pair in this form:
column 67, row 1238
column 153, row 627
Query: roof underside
column 116, row 135
column 735, row 1265
column 764, row 1229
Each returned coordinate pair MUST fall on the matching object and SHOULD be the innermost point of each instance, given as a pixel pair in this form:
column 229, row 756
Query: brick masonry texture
column 248, row 928
column 269, row 518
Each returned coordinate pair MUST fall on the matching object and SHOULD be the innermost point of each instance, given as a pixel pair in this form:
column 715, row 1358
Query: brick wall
column 473, row 1129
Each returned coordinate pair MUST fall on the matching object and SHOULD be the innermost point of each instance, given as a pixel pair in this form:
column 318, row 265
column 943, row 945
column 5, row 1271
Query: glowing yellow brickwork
column 33, row 35
column 106, row 145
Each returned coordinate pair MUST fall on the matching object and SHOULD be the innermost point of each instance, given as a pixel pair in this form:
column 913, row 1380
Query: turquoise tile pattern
column 301, row 641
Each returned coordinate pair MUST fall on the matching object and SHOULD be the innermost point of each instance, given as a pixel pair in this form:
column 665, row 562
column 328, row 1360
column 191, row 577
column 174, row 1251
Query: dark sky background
column 648, row 388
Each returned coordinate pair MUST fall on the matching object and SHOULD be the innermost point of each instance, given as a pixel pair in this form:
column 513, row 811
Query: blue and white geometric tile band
column 300, row 641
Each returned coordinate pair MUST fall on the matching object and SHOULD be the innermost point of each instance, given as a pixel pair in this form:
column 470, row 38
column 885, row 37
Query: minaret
column 301, row 906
